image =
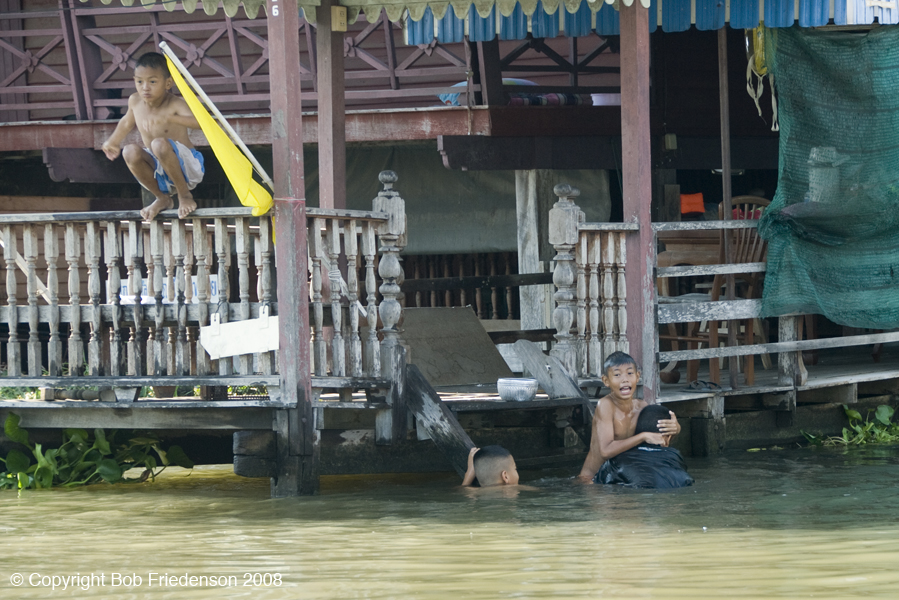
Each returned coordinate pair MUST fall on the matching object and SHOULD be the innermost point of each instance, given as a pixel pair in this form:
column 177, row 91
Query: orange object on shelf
column 691, row 203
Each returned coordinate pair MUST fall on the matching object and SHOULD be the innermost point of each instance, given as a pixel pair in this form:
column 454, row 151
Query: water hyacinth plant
column 877, row 427
column 83, row 459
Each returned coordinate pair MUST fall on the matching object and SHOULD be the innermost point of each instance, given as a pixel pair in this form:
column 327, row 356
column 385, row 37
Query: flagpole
column 212, row 107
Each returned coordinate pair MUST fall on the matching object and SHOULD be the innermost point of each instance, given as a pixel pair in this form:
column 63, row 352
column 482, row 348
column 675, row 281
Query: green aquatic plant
column 83, row 459
column 862, row 430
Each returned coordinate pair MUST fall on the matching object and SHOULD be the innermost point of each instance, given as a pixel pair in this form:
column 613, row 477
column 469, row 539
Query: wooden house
column 342, row 276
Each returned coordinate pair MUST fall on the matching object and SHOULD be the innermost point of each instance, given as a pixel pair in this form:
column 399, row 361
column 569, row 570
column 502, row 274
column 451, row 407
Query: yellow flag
column 234, row 163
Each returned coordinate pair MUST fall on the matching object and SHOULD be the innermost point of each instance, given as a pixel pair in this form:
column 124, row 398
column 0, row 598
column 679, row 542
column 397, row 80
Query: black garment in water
column 646, row 466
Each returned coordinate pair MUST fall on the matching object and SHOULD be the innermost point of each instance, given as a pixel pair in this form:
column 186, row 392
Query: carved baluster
column 190, row 292
column 155, row 286
column 170, row 290
column 494, row 290
column 223, row 255
column 179, row 249
column 242, row 239
column 137, row 355
column 594, row 258
column 447, row 272
column 92, row 254
column 621, row 260
column 113, row 298
column 508, row 258
column 463, row 293
column 264, row 284
column 391, row 424
column 581, row 287
column 338, row 352
column 478, row 294
column 73, row 257
column 201, row 251
column 432, row 273
column 317, row 252
column 354, row 344
column 563, row 235
column 29, row 237
column 13, row 351
column 609, row 310
column 371, row 352
column 51, row 256
column 416, row 263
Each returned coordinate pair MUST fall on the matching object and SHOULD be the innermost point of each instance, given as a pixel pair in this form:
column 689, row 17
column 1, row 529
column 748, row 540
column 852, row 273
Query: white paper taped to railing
column 252, row 336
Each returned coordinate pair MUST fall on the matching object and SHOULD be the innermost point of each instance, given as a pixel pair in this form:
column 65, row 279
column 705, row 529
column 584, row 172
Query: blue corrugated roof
column 676, row 15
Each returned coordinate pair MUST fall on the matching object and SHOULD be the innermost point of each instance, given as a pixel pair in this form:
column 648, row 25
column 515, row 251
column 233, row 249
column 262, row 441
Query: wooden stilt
column 533, row 199
column 296, row 436
column 636, row 166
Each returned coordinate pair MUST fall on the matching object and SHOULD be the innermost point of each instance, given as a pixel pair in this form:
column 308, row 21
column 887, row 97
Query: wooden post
column 790, row 368
column 636, row 166
column 533, row 195
column 331, row 111
column 297, row 438
column 724, row 103
column 490, row 73
column 390, row 424
column 563, row 235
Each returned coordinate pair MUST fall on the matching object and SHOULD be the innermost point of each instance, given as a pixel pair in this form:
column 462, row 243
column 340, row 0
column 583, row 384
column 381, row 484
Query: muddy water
column 773, row 524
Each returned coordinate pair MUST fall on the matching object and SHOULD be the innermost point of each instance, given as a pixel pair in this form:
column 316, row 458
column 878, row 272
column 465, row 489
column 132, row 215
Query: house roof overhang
column 670, row 15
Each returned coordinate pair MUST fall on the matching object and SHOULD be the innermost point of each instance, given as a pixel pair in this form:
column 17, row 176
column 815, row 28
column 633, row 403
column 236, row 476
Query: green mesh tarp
column 833, row 227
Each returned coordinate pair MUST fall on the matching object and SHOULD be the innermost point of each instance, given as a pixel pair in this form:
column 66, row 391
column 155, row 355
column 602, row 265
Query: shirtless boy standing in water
column 167, row 163
column 615, row 419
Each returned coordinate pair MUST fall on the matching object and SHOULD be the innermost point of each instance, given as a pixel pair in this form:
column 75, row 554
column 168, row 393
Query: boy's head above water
column 620, row 375
column 649, row 417
column 494, row 465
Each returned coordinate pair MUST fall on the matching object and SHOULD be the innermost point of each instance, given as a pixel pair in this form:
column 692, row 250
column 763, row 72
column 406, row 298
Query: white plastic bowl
column 517, row 389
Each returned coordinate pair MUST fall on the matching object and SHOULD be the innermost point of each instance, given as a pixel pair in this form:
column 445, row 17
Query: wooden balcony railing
column 136, row 293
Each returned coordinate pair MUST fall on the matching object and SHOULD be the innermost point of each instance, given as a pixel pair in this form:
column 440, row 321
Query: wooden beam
column 730, row 282
column 533, row 200
column 637, row 174
column 490, row 73
column 298, row 440
column 331, row 111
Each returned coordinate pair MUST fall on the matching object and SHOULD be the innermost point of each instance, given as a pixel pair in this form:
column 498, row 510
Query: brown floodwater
column 809, row 523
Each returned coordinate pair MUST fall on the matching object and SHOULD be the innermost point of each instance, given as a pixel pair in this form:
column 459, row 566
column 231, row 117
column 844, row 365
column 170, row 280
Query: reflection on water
column 776, row 524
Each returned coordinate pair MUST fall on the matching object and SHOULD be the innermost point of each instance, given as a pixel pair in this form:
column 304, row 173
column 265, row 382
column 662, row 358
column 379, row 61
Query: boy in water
column 647, row 466
column 167, row 163
column 615, row 419
column 490, row 465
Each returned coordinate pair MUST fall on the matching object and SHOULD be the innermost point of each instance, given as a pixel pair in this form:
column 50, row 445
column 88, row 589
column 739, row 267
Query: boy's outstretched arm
column 113, row 146
column 469, row 473
column 603, row 444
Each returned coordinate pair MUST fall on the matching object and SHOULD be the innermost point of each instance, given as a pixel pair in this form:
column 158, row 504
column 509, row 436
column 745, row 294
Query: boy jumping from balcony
column 167, row 163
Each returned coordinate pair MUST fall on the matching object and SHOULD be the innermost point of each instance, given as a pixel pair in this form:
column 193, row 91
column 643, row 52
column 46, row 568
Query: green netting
column 833, row 227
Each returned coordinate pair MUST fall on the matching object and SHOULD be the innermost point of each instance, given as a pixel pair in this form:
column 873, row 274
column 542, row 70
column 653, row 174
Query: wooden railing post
column 563, row 235
column 29, row 236
column 790, row 369
column 73, row 255
column 390, row 424
column 13, row 356
column 51, row 256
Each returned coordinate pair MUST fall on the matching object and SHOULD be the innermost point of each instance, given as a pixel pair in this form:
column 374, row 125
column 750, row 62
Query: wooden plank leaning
column 437, row 419
column 557, row 383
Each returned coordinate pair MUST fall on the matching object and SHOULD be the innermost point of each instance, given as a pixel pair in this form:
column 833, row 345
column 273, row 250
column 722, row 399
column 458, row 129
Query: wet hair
column 153, row 60
column 618, row 359
column 649, row 417
column 489, row 464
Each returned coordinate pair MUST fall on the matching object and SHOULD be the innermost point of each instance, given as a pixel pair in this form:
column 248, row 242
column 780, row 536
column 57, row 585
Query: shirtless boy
column 615, row 419
column 167, row 163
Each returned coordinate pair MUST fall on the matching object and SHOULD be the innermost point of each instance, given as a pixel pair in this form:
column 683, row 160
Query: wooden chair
column 747, row 247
